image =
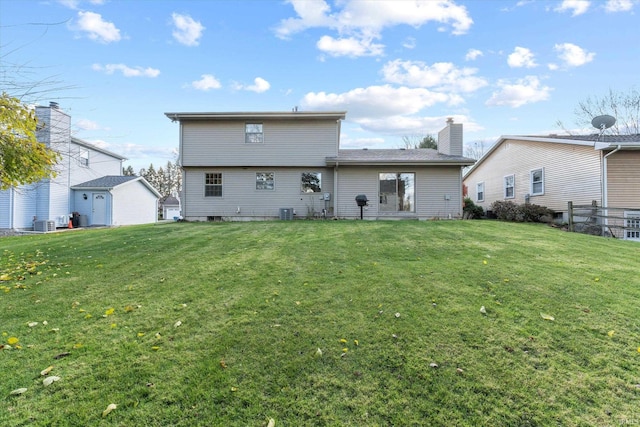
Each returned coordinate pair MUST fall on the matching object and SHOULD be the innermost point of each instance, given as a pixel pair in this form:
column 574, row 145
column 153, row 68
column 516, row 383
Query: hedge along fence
column 527, row 212
column 618, row 222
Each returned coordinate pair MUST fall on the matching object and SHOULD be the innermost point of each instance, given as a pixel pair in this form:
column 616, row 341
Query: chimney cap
column 54, row 105
column 449, row 120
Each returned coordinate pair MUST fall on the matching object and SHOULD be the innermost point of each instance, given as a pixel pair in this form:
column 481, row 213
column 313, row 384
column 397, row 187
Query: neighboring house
column 169, row 207
column 88, row 182
column 246, row 166
column 553, row 170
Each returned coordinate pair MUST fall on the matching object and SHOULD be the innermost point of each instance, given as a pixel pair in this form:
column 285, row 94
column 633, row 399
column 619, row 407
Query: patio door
column 99, row 209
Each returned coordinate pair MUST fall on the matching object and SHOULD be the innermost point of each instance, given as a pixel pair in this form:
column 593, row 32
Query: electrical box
column 327, row 196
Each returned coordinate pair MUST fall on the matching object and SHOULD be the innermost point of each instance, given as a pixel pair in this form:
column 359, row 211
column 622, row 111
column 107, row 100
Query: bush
column 471, row 210
column 510, row 211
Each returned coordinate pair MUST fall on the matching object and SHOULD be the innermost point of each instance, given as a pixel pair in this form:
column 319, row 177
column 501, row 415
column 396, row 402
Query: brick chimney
column 450, row 139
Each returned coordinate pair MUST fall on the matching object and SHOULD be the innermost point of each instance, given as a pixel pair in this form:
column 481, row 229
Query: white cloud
column 126, row 70
column 84, row 124
column 521, row 57
column 349, row 47
column 187, row 31
column 409, row 43
column 360, row 22
column 442, row 76
column 618, row 5
column 75, row 4
column 572, row 55
column 378, row 101
column 206, row 83
column 97, row 28
column 521, row 92
column 259, row 85
column 473, row 54
column 577, row 7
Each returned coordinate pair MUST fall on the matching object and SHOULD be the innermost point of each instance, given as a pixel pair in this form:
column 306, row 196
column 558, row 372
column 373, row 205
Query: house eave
column 269, row 115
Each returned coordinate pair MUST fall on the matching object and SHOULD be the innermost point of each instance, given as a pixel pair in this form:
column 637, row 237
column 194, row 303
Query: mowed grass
column 222, row 324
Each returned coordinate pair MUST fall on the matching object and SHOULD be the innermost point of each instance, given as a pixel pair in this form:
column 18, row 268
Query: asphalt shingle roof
column 108, row 181
column 399, row 155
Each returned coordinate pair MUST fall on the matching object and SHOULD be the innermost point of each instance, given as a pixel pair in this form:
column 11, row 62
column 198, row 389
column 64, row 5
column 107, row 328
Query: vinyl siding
column 286, row 143
column 571, row 173
column 133, row 203
column 239, row 190
column 623, row 178
column 431, row 186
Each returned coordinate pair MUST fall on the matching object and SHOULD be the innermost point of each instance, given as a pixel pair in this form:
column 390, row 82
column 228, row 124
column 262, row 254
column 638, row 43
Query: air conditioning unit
column 286, row 213
column 63, row 221
column 44, row 225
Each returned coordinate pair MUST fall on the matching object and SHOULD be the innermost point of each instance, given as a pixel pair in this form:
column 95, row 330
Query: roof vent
column 54, row 105
column 365, row 148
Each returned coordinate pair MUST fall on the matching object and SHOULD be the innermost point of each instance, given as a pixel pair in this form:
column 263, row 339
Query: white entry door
column 99, row 209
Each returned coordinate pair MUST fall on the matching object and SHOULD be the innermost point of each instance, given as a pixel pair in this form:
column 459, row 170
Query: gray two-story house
column 264, row 165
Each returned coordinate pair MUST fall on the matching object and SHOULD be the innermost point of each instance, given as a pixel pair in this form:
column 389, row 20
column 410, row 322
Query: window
column 253, row 133
column 311, row 182
column 480, row 192
column 84, row 157
column 537, row 182
column 397, row 192
column 509, row 186
column 632, row 225
column 265, row 181
column 213, row 184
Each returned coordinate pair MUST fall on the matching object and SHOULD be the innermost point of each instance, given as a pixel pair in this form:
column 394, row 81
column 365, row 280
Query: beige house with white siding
column 553, row 170
column 267, row 165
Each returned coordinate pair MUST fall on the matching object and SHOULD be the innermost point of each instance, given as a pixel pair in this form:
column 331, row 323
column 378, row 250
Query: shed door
column 632, row 225
column 99, row 209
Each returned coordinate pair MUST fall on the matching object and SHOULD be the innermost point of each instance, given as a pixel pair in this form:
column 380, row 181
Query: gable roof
column 111, row 181
column 597, row 141
column 398, row 156
column 96, row 148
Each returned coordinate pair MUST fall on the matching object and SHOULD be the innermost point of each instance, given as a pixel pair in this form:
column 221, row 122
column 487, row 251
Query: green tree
column 128, row 171
column 23, row 160
column 418, row 141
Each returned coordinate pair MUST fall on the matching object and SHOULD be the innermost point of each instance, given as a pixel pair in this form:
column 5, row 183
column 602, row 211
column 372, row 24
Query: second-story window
column 84, row 157
column 253, row 133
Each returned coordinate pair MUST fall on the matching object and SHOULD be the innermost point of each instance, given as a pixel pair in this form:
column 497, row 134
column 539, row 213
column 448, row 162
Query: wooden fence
column 617, row 222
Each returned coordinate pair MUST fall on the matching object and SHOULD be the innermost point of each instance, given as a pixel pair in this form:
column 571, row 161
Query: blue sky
column 399, row 68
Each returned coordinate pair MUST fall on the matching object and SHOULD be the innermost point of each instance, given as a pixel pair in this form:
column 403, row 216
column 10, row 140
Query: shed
column 116, row 200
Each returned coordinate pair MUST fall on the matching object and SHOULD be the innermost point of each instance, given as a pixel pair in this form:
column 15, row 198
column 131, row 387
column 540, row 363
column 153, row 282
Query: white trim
column 531, row 172
column 513, row 186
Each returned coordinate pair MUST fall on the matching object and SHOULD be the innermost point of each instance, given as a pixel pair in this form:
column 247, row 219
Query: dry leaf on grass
column 110, row 408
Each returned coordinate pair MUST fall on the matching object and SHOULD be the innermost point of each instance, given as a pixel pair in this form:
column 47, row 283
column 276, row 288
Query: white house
column 261, row 165
column 88, row 183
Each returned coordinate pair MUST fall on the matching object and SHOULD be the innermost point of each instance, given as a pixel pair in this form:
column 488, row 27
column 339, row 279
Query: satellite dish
column 603, row 122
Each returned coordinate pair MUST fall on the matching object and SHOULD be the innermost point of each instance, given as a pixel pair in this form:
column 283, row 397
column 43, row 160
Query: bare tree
column 411, row 142
column 624, row 106
column 475, row 150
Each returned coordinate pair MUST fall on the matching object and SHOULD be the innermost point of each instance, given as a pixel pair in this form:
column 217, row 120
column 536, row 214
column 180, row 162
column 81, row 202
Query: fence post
column 570, row 215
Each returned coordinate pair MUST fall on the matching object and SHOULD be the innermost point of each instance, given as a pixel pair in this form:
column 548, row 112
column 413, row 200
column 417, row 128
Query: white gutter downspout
column 335, row 190
column 605, row 185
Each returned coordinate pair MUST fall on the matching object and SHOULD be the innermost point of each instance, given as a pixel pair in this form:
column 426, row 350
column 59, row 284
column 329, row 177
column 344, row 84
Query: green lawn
column 317, row 323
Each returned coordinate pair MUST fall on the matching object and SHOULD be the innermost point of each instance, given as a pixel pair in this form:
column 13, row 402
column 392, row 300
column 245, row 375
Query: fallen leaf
column 483, row 310
column 155, row 348
column 459, row 370
column 178, row 323
column 234, row 389
column 32, row 324
column 12, row 340
column 50, row 380
column 342, row 340
column 433, row 365
column 109, row 312
column 223, row 364
column 547, row 317
column 19, row 391
column 356, row 342
column 318, row 352
column 61, row 355
column 611, row 333
column 110, row 408
column 397, row 314
column 271, row 423
column 46, row 371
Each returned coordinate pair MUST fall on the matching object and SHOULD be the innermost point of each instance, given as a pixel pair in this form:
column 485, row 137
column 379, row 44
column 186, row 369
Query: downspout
column 605, row 185
column 335, row 190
